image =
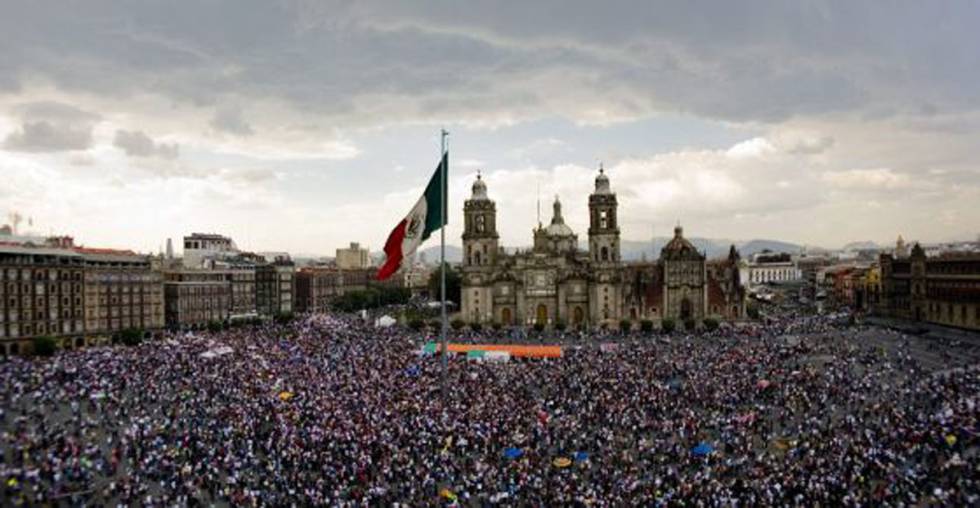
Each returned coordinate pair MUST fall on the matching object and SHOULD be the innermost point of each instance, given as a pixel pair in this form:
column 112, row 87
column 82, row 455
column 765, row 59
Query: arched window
column 605, row 254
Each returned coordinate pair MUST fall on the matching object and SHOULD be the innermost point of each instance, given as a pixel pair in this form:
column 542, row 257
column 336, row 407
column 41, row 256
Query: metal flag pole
column 443, row 172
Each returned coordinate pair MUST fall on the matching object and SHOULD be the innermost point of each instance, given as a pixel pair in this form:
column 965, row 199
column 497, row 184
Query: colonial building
column 318, row 287
column 768, row 267
column 195, row 298
column 556, row 282
column 942, row 290
column 78, row 295
column 121, row 292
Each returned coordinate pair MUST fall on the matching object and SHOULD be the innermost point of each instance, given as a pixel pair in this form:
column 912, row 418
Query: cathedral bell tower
column 480, row 227
column 603, row 227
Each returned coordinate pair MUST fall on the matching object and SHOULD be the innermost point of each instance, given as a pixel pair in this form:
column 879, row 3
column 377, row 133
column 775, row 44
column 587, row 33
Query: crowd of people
column 329, row 411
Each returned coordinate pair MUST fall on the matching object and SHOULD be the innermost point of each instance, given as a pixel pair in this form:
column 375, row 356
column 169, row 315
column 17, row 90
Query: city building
column 199, row 248
column 194, row 298
column 274, row 286
column 78, row 295
column 354, row 257
column 555, row 282
column 769, row 267
column 942, row 290
column 240, row 272
column 121, row 292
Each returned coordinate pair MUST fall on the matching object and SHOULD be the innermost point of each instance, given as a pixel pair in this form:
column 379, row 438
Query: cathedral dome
column 679, row 247
column 558, row 227
column 602, row 182
column 479, row 189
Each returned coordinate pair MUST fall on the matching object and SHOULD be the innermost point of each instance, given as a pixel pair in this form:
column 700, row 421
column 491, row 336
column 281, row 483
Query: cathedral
column 556, row 282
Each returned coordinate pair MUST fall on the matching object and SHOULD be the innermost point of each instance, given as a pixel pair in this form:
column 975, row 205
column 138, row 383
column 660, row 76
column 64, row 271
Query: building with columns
column 556, row 282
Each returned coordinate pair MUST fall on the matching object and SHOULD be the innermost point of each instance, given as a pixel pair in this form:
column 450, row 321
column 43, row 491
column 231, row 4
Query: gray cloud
column 45, row 136
column 51, row 127
column 765, row 61
column 138, row 144
column 230, row 120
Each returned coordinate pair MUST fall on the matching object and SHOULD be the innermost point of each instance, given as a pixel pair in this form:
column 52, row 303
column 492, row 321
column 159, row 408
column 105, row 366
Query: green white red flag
column 425, row 218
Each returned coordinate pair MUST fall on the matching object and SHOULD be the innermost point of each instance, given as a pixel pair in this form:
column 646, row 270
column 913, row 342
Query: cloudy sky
column 301, row 126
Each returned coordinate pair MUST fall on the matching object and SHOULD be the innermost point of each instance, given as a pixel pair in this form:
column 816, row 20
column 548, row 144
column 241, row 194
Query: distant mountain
column 755, row 246
column 865, row 245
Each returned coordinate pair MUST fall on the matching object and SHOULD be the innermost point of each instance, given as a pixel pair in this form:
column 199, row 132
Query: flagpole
column 443, row 172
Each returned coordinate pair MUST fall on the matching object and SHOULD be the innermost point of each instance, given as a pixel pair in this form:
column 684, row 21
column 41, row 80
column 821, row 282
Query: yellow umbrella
column 285, row 396
column 950, row 439
column 561, row 462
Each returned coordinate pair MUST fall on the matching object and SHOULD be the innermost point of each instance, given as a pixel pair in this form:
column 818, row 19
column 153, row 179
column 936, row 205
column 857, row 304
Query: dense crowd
column 329, row 411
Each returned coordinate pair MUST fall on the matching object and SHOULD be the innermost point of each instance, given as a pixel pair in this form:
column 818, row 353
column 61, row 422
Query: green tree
column 416, row 324
column 45, row 346
column 476, row 326
column 454, row 284
column 560, row 326
column 646, row 326
column 710, row 324
column 752, row 311
column 131, row 336
column 215, row 326
column 625, row 325
column 496, row 326
column 690, row 325
column 457, row 324
column 668, row 325
column 539, row 327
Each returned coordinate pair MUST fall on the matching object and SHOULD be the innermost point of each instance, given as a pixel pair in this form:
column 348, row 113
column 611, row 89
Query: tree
column 646, row 326
column 45, row 346
column 215, row 326
column 752, row 311
column 625, row 325
column 454, row 284
column 496, row 326
column 560, row 326
column 457, row 324
column 476, row 326
column 668, row 325
column 131, row 336
column 710, row 324
column 539, row 327
column 690, row 325
column 435, row 325
column 416, row 324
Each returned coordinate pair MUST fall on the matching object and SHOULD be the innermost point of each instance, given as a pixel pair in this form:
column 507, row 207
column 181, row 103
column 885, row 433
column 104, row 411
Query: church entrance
column 685, row 309
column 578, row 317
column 505, row 317
column 542, row 316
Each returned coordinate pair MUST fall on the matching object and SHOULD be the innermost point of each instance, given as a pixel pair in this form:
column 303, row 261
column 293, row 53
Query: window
column 603, row 219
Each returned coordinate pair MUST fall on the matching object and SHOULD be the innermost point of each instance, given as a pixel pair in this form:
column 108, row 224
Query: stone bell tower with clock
column 604, row 252
column 480, row 251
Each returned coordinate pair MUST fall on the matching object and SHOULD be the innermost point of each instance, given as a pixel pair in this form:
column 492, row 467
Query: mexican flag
column 419, row 224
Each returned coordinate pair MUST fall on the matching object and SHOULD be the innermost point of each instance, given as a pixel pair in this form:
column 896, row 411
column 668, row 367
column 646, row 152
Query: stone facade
column 80, row 296
column 194, row 298
column 556, row 282
column 942, row 290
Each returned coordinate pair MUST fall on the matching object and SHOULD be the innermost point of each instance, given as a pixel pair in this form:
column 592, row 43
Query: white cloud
column 867, row 179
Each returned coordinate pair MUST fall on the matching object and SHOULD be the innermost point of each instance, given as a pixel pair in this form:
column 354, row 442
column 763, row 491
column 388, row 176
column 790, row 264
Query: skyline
column 303, row 127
